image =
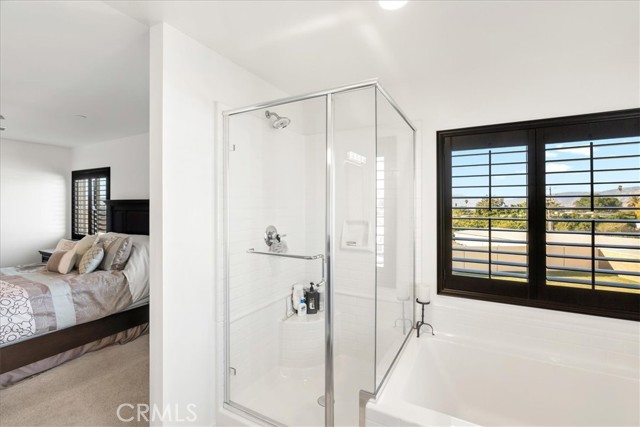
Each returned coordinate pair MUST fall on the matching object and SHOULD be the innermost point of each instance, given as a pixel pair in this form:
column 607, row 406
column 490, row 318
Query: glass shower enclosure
column 319, row 189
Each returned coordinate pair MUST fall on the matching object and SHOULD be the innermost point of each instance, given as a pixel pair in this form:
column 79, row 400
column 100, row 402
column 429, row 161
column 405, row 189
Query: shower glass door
column 319, row 189
column 276, row 176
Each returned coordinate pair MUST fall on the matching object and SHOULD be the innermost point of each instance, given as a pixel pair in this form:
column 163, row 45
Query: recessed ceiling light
column 392, row 4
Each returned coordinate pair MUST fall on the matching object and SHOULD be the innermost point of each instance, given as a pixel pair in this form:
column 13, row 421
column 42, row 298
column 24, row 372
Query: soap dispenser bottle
column 302, row 308
column 313, row 300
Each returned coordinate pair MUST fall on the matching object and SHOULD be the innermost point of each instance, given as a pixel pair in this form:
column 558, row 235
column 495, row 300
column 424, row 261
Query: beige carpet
column 83, row 392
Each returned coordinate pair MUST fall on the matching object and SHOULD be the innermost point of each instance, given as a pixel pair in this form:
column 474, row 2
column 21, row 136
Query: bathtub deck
column 449, row 382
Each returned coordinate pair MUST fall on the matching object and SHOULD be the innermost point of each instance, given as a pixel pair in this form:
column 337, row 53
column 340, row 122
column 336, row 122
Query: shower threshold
column 293, row 399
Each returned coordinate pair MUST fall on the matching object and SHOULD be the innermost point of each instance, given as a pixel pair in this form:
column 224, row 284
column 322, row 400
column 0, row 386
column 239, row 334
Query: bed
column 92, row 311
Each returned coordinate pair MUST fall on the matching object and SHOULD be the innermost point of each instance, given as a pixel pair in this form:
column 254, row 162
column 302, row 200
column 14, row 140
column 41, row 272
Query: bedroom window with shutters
column 89, row 193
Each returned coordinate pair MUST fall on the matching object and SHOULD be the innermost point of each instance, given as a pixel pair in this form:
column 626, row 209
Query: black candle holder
column 421, row 322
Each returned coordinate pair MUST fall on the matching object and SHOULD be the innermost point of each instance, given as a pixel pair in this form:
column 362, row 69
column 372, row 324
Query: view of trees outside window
column 592, row 204
column 490, row 213
column 593, row 239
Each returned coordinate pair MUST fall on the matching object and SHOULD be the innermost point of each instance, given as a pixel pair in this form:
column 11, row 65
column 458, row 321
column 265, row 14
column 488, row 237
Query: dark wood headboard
column 128, row 216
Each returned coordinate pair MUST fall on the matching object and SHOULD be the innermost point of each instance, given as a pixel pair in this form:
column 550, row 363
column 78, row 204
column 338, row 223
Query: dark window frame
column 535, row 293
column 104, row 172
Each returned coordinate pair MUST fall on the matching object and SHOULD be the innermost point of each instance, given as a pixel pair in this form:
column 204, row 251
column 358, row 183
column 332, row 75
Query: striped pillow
column 54, row 260
column 117, row 249
column 62, row 261
column 68, row 262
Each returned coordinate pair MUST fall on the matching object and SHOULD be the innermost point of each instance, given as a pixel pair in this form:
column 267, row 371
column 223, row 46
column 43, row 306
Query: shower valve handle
column 271, row 235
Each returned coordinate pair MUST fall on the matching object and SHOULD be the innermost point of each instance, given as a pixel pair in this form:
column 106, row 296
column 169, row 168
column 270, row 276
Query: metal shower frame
column 330, row 233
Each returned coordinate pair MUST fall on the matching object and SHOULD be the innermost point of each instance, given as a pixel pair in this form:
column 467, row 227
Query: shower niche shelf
column 356, row 235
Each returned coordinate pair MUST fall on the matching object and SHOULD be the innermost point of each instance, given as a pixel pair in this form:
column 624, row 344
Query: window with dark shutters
column 89, row 193
column 543, row 213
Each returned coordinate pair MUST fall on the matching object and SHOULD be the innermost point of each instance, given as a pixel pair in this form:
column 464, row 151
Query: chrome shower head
column 280, row 122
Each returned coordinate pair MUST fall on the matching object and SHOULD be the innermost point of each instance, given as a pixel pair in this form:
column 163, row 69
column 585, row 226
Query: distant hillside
column 569, row 201
column 613, row 192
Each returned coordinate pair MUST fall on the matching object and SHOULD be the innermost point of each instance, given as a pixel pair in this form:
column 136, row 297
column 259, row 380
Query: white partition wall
column 187, row 79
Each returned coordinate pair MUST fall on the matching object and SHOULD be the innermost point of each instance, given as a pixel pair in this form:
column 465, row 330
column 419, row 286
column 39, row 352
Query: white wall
column 187, row 79
column 34, row 199
column 129, row 161
column 571, row 80
column 33, row 174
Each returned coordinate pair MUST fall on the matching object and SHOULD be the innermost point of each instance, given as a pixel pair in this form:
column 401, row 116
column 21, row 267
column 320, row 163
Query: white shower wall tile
column 270, row 184
column 355, row 321
column 354, row 271
column 302, row 341
column 254, row 349
column 263, row 193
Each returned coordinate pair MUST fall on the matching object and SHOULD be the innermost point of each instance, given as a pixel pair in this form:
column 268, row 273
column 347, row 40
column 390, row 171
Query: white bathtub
column 448, row 382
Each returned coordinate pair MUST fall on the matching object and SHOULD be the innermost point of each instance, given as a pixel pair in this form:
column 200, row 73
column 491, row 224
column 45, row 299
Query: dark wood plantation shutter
column 89, row 192
column 592, row 217
column 543, row 213
column 487, row 211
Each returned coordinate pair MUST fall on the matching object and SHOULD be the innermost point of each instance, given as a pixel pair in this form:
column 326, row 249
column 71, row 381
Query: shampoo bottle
column 302, row 308
column 297, row 295
column 313, row 300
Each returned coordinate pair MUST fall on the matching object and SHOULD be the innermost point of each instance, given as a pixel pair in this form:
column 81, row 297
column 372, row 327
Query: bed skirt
column 9, row 378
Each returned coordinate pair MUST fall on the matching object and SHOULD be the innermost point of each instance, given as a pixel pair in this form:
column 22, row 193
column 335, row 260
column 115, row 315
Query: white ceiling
column 303, row 46
column 59, row 59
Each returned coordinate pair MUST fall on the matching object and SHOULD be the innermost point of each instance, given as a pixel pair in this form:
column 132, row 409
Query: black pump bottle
column 313, row 300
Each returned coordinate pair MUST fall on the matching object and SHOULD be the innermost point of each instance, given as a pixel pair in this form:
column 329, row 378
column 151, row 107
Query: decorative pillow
column 67, row 262
column 83, row 246
column 54, row 260
column 91, row 259
column 65, row 245
column 137, row 269
column 117, row 249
